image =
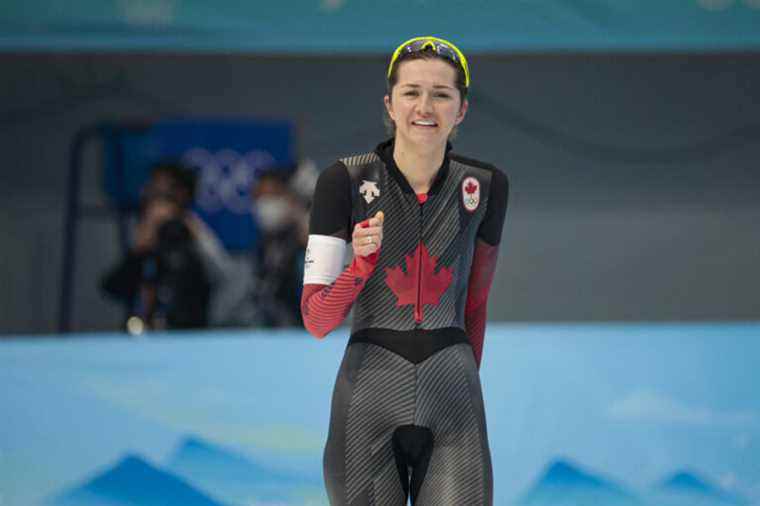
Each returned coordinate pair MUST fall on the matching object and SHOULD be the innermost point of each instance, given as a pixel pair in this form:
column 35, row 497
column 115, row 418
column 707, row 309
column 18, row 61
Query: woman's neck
column 418, row 167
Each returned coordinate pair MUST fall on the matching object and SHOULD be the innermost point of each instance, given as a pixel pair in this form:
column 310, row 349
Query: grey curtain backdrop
column 635, row 178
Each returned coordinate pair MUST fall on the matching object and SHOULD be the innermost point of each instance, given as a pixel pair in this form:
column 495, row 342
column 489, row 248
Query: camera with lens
column 182, row 286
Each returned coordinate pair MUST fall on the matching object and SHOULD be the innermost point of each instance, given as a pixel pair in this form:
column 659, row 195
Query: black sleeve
column 331, row 206
column 493, row 221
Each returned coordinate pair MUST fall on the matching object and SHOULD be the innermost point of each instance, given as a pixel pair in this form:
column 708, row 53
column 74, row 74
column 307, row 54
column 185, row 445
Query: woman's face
column 425, row 104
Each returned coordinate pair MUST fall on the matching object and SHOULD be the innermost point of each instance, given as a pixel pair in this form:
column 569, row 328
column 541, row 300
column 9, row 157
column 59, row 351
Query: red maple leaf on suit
column 419, row 266
column 471, row 187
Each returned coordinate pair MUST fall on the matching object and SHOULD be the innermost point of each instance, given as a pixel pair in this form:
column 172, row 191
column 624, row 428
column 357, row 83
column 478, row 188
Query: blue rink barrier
column 601, row 414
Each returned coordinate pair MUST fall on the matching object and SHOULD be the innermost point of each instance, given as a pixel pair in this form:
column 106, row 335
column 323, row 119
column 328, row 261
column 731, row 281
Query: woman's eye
column 411, row 94
column 443, row 95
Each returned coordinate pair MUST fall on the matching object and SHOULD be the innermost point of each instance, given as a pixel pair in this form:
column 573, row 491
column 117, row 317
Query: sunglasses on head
column 440, row 47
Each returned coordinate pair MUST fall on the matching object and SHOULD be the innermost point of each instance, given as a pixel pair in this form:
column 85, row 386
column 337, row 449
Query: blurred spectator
column 230, row 277
column 304, row 180
column 283, row 220
column 166, row 278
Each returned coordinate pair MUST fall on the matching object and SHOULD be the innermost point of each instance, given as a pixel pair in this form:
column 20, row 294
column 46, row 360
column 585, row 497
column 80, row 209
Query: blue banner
column 598, row 415
column 226, row 153
column 350, row 26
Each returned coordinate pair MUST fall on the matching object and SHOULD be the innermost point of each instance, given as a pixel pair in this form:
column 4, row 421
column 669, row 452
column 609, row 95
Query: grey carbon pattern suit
column 407, row 412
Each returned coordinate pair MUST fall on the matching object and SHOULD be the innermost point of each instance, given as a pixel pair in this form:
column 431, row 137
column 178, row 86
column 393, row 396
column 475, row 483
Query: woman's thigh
column 374, row 394
column 450, row 403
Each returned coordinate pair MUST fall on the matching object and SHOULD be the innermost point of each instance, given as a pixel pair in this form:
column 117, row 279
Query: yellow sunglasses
column 439, row 46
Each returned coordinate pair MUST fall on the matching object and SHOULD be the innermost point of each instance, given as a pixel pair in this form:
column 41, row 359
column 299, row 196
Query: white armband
column 324, row 259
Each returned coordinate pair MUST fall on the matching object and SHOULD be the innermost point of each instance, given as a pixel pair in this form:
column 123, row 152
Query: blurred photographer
column 282, row 217
column 163, row 280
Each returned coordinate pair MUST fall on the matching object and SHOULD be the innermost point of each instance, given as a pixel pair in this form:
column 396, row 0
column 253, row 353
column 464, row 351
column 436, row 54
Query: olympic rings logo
column 225, row 177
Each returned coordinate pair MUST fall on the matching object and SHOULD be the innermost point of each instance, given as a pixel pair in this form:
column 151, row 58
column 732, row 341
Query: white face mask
column 272, row 213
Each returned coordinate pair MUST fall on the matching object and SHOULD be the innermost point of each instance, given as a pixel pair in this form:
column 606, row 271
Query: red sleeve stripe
column 481, row 277
column 324, row 307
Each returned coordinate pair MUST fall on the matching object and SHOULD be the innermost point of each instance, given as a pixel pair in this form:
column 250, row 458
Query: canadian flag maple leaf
column 420, row 266
column 471, row 187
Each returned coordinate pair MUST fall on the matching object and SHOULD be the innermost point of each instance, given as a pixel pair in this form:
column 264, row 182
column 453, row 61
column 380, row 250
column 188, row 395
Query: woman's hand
column 368, row 235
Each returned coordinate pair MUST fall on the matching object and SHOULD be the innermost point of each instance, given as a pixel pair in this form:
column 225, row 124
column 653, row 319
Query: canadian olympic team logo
column 470, row 193
column 225, row 177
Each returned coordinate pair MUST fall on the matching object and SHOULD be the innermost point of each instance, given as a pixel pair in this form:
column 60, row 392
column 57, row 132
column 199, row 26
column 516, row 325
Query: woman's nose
column 425, row 104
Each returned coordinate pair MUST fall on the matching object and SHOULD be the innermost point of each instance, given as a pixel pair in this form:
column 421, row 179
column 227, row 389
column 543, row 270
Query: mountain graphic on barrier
column 202, row 474
column 134, row 481
column 234, row 477
column 565, row 484
column 686, row 488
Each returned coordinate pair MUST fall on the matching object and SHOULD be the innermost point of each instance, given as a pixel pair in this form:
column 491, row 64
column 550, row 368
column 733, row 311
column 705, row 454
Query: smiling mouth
column 426, row 124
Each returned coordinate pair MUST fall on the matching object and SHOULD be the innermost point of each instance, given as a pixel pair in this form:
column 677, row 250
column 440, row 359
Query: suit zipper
column 418, row 306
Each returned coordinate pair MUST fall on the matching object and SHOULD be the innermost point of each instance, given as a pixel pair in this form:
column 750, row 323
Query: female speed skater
column 424, row 225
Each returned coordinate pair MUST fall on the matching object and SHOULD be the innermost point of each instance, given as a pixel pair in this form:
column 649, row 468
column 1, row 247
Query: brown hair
column 425, row 54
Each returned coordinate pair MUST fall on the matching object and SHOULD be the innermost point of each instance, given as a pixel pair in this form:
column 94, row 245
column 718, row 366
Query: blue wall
column 329, row 26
